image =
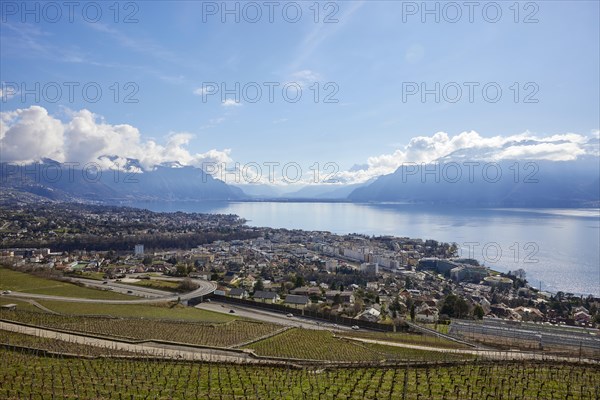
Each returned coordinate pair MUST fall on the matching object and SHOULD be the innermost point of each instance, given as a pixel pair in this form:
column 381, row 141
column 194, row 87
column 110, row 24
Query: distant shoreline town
column 383, row 280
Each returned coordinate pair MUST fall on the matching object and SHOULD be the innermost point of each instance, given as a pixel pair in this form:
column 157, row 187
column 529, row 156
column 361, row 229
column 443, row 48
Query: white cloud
column 472, row 146
column 231, row 103
column 31, row 134
column 201, row 91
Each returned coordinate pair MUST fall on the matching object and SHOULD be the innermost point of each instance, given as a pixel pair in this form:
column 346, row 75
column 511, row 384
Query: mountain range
column 452, row 182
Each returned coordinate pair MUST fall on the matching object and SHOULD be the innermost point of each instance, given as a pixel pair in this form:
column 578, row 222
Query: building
column 369, row 268
column 331, row 265
column 297, row 300
column 345, row 297
column 266, row 297
column 498, row 281
column 427, row 315
column 238, row 293
column 437, row 264
column 139, row 250
column 470, row 273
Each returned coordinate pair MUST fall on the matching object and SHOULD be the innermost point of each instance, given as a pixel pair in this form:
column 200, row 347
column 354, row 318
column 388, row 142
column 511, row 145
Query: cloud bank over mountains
column 31, row 134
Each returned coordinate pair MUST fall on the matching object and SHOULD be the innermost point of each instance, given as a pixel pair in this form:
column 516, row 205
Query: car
column 6, row 292
column 355, row 327
column 232, row 311
column 105, row 282
column 289, row 315
column 129, row 292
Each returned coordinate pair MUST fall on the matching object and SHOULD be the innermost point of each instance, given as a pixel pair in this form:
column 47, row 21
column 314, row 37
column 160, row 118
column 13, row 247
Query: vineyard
column 219, row 335
column 322, row 345
column 415, row 339
column 165, row 311
column 30, row 376
column 12, row 339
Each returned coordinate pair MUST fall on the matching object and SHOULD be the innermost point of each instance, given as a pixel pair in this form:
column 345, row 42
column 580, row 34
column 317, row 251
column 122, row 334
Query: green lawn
column 157, row 311
column 27, row 283
column 21, row 305
column 157, row 284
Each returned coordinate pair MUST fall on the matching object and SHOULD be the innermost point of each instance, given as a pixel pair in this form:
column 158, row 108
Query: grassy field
column 29, row 376
column 21, row 305
column 322, row 345
column 157, row 284
column 27, row 283
column 219, row 335
column 166, row 311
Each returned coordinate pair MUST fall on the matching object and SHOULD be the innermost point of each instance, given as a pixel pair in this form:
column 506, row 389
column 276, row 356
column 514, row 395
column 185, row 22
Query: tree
column 412, row 312
column 454, row 306
column 337, row 299
column 259, row 285
column 147, row 260
column 299, row 281
column 478, row 312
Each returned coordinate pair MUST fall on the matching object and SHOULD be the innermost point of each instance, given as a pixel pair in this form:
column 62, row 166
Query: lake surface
column 559, row 248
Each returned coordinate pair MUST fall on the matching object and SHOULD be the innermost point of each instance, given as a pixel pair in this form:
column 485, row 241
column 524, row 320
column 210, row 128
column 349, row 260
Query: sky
column 357, row 87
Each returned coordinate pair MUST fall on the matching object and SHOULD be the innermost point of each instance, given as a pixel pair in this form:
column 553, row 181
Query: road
column 125, row 288
column 205, row 288
column 270, row 316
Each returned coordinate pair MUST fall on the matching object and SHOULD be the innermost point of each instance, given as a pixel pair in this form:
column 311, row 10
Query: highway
column 541, row 334
column 205, row 288
column 270, row 316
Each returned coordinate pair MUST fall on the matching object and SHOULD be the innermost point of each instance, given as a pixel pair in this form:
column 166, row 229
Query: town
column 384, row 280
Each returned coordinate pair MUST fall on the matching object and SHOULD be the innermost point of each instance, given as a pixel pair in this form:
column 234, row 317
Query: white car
column 6, row 292
column 289, row 315
column 355, row 327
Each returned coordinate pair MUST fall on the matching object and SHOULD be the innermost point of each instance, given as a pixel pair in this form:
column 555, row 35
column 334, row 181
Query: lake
column 558, row 248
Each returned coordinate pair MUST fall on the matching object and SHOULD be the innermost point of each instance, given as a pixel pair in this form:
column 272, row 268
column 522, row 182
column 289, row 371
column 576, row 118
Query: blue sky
column 373, row 51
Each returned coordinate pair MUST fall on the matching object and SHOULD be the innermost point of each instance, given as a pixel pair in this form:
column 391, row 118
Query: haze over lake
column 559, row 247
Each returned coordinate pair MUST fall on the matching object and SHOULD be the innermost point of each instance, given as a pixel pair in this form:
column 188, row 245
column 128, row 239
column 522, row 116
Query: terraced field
column 322, row 345
column 199, row 333
column 12, row 339
column 25, row 376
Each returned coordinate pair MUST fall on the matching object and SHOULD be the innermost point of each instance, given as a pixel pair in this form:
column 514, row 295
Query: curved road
column 205, row 288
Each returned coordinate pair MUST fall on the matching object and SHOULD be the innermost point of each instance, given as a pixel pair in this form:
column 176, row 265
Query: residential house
column 345, row 296
column 297, row 301
column 266, row 297
column 238, row 293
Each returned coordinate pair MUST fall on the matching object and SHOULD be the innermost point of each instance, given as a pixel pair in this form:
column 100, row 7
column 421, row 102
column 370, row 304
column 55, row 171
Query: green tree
column 299, row 281
column 259, row 285
column 412, row 312
column 478, row 312
column 337, row 299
